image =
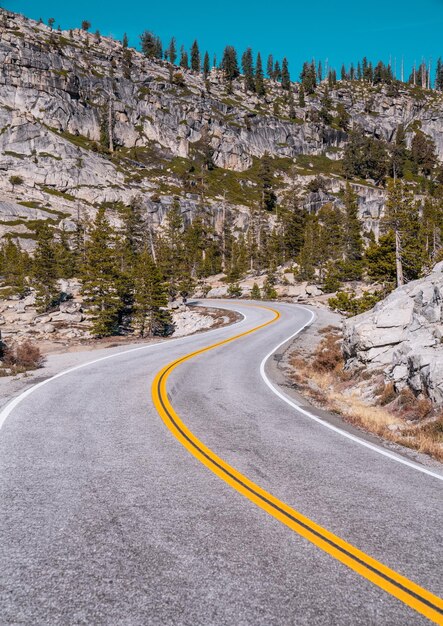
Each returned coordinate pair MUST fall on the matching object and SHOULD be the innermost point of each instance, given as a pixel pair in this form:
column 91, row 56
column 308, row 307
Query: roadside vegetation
column 19, row 358
column 402, row 417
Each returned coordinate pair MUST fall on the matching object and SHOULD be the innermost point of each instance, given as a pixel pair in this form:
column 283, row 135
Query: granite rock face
column 403, row 336
column 59, row 92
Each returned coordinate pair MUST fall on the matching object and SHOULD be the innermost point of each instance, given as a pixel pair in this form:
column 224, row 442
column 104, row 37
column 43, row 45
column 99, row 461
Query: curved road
column 106, row 518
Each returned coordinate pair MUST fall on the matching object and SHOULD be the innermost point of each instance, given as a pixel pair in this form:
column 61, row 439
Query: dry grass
column 401, row 418
column 20, row 358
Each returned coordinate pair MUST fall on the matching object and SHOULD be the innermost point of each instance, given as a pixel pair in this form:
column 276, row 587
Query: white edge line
column 339, row 431
column 10, row 406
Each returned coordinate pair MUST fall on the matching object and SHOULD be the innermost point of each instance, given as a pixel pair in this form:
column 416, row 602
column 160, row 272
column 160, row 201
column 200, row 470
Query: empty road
column 157, row 488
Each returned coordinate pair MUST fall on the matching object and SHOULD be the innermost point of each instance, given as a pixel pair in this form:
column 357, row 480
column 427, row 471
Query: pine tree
column 255, row 292
column 229, row 64
column 308, row 257
column 308, row 78
column 195, row 57
column 172, row 253
column 399, row 153
column 259, row 79
column 285, row 77
column 125, row 41
column 133, row 231
column 150, row 298
column 353, row 243
column 270, row 67
column 301, row 97
column 269, row 198
column 269, row 292
column 401, row 217
column 423, row 153
column 14, row 265
column 172, row 51
column 320, row 72
column 277, row 71
column 101, row 277
column 184, row 60
column 291, row 106
column 44, row 268
column 248, row 70
column 379, row 260
column 151, row 45
column 206, row 66
column 439, row 76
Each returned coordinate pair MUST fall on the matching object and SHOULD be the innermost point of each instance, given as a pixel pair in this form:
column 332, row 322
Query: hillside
column 63, row 94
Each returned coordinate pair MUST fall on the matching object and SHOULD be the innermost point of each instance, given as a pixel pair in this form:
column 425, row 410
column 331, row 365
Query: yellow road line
column 405, row 590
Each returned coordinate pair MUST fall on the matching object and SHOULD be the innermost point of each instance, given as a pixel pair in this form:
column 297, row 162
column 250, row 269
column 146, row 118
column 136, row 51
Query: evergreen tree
column 150, row 298
column 291, row 106
column 285, row 77
column 259, row 78
column 269, row 198
column 184, row 60
column 423, row 153
column 269, row 292
column 125, row 41
column 320, row 72
column 255, row 292
column 133, row 231
column 14, row 265
column 101, row 277
column 343, row 117
column 151, row 45
column 399, row 153
column 172, row 253
column 248, row 70
column 308, row 257
column 44, row 268
column 229, row 64
column 301, row 97
column 353, row 243
column 365, row 157
column 172, row 51
column 401, row 217
column 195, row 57
column 308, row 78
column 439, row 76
column 270, row 67
column 277, row 71
column 206, row 66
column 380, row 260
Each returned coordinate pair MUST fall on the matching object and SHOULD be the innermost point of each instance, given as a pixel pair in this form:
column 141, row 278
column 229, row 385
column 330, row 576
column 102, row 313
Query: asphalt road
column 107, row 519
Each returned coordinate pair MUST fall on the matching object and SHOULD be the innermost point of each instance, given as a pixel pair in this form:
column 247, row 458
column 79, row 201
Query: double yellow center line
column 387, row 579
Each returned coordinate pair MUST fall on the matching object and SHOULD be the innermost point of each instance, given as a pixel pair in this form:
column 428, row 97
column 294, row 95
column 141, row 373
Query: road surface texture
column 106, row 518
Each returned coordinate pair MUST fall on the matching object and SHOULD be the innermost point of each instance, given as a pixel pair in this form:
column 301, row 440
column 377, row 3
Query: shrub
column 234, row 290
column 387, row 395
column 25, row 355
column 328, row 356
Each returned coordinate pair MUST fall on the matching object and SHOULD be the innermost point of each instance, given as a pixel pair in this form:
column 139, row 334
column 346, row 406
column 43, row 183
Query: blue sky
column 338, row 31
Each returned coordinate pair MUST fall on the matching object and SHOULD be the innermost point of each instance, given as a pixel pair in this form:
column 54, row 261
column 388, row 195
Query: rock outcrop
column 403, row 336
column 62, row 92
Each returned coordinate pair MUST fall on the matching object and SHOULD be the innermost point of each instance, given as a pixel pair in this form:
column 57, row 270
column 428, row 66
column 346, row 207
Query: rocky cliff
column 403, row 337
column 66, row 96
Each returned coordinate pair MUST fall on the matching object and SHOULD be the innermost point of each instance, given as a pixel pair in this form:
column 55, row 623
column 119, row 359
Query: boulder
column 403, row 334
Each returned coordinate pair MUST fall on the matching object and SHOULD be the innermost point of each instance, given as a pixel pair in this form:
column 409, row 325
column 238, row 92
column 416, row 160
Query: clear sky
column 338, row 31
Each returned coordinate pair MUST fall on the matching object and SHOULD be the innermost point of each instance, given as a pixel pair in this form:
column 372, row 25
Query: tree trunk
column 110, row 130
column 398, row 261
